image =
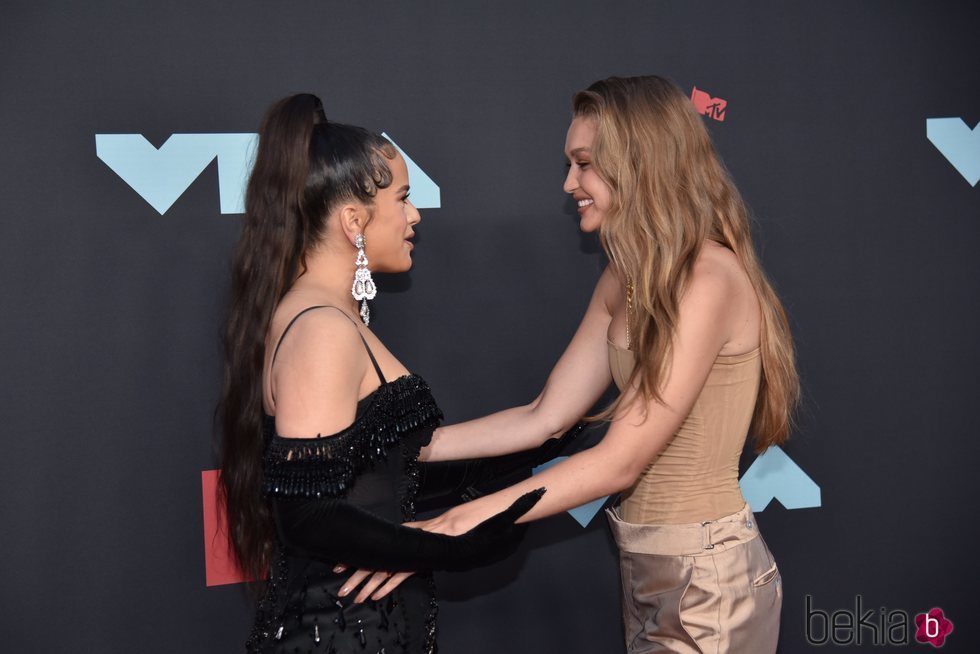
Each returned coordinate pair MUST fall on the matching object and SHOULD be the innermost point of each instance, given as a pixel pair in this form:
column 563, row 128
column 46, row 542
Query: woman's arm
column 640, row 430
column 573, row 387
column 636, row 435
column 332, row 530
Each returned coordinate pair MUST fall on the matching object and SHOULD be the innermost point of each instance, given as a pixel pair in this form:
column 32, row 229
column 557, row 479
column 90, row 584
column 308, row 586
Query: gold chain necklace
column 629, row 312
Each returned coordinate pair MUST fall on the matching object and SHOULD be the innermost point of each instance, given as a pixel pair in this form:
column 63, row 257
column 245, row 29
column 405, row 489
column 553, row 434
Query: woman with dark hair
column 321, row 424
column 685, row 323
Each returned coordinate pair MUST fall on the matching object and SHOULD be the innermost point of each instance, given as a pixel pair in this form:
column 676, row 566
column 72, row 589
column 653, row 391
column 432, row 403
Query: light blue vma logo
column 958, row 143
column 773, row 475
column 160, row 176
column 425, row 192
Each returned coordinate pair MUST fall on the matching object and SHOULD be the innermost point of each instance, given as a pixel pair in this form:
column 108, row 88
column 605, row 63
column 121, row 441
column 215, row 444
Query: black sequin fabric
column 327, row 466
column 374, row 465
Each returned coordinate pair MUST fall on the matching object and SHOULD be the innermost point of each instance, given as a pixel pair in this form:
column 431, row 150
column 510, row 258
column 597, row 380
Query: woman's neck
column 330, row 275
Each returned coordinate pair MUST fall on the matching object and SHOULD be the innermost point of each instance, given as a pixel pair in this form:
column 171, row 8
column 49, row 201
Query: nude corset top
column 695, row 477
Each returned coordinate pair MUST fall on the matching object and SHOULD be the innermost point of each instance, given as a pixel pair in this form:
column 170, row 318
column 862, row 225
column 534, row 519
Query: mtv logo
column 708, row 106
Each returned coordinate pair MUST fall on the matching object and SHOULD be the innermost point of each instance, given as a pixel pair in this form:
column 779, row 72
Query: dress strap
column 367, row 347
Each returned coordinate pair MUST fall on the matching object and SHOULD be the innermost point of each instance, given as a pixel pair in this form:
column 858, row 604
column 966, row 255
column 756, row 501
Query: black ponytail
column 304, row 167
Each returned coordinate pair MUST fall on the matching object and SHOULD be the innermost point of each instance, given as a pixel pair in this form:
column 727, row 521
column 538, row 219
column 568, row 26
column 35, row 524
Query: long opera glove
column 336, row 531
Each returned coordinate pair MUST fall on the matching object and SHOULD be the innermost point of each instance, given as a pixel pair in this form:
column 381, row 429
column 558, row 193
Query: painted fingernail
column 344, row 591
column 338, row 568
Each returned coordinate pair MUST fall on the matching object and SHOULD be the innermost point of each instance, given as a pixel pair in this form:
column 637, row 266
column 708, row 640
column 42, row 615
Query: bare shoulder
column 608, row 290
column 719, row 292
column 317, row 374
column 715, row 276
column 317, row 332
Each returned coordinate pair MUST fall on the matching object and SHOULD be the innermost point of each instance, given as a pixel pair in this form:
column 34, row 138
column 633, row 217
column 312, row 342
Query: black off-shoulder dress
column 342, row 499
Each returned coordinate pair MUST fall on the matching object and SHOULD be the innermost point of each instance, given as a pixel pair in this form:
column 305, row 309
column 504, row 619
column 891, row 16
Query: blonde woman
column 685, row 323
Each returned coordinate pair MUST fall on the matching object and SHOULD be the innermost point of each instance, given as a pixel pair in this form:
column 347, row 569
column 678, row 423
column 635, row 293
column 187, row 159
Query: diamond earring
column 363, row 288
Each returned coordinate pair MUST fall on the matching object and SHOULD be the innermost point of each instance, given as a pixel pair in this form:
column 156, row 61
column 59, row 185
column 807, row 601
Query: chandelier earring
column 363, row 288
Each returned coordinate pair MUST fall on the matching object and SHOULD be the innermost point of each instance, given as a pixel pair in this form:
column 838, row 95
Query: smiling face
column 591, row 193
column 387, row 236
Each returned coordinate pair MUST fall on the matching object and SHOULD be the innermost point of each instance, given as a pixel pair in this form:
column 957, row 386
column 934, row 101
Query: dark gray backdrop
column 111, row 312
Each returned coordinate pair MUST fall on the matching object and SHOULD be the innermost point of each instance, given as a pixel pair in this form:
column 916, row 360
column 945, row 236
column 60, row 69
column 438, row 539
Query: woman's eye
column 582, row 164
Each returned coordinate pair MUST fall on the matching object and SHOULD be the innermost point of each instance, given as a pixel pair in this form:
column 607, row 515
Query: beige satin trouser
column 708, row 588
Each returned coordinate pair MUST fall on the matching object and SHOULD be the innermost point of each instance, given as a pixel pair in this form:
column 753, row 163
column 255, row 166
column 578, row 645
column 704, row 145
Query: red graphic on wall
column 219, row 563
column 708, row 106
column 932, row 627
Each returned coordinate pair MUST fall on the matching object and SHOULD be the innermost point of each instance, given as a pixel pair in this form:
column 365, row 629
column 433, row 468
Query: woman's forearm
column 511, row 430
column 576, row 382
column 581, row 478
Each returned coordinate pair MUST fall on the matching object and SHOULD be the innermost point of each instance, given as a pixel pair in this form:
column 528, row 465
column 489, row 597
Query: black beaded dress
column 342, row 499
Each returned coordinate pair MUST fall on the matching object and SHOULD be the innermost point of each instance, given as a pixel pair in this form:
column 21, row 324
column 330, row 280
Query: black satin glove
column 336, row 531
column 452, row 482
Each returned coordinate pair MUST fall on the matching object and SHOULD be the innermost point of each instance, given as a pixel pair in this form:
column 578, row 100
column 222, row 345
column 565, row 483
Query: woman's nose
column 571, row 181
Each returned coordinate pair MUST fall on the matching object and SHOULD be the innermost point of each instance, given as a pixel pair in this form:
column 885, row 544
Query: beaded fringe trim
column 327, row 467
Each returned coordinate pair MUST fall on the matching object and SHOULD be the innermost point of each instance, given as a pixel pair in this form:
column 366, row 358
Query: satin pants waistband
column 691, row 539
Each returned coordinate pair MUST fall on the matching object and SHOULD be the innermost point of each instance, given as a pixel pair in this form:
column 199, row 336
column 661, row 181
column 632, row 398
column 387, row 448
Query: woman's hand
column 379, row 583
column 454, row 522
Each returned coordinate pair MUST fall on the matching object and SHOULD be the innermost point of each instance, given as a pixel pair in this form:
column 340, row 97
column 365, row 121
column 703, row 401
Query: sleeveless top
column 695, row 477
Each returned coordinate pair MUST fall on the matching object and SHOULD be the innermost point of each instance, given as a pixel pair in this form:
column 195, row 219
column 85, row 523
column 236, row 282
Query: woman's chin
column 394, row 268
column 589, row 224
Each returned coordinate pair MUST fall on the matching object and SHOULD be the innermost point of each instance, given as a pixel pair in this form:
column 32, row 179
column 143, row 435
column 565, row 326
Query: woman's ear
column 353, row 220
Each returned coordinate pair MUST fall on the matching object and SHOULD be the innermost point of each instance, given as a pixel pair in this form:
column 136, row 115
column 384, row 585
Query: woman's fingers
column 354, row 581
column 377, row 586
column 372, row 584
column 390, row 585
column 438, row 525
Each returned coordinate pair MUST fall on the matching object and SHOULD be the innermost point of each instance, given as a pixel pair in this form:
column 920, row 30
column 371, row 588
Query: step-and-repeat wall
column 127, row 129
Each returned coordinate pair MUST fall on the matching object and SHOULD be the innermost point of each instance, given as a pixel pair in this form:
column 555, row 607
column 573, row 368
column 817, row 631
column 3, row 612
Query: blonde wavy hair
column 670, row 193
